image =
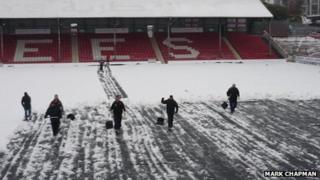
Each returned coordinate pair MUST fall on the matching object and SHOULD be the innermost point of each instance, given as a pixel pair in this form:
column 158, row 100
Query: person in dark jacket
column 117, row 108
column 107, row 66
column 26, row 103
column 233, row 94
column 101, row 64
column 172, row 107
column 55, row 111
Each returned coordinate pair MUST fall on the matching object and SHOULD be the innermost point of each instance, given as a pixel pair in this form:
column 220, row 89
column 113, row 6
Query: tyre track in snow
column 32, row 167
column 182, row 151
column 83, row 161
column 110, row 85
column 189, row 155
column 16, row 142
column 47, row 153
column 119, row 164
column 55, row 154
column 312, row 110
column 310, row 113
column 206, row 143
column 138, row 148
column 112, row 88
column 253, row 138
column 275, row 125
column 166, row 159
column 217, row 164
column 289, row 129
column 71, row 152
column 272, row 156
column 250, row 151
column 258, row 143
column 14, row 168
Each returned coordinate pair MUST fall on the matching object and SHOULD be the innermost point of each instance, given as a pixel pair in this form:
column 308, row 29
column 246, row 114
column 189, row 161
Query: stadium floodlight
column 150, row 31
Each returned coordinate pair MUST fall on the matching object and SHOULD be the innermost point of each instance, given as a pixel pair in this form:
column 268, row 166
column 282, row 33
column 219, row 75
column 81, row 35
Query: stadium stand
column 35, row 49
column 128, row 47
column 193, row 46
column 132, row 47
column 250, row 46
column 66, row 55
column 29, row 34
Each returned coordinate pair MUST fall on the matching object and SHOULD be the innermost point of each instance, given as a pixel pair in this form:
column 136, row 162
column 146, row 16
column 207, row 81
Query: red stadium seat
column 193, row 46
column 250, row 46
column 132, row 47
column 36, row 49
column 129, row 47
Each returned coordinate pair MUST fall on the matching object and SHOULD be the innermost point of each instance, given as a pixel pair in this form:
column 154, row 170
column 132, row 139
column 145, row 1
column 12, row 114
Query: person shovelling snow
column 233, row 94
column 55, row 111
column 172, row 107
column 117, row 108
column 26, row 103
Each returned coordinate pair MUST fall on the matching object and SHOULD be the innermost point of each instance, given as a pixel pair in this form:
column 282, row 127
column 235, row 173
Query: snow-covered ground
column 75, row 84
column 207, row 142
column 147, row 83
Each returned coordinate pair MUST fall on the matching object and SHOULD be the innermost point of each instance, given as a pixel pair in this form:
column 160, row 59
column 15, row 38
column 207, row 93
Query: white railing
column 275, row 45
column 32, row 31
column 307, row 60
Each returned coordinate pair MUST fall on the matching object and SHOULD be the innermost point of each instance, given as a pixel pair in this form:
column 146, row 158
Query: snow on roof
column 131, row 8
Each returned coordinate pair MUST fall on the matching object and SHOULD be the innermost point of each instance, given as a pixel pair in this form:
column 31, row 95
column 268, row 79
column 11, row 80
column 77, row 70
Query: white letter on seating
column 21, row 49
column 193, row 53
column 97, row 48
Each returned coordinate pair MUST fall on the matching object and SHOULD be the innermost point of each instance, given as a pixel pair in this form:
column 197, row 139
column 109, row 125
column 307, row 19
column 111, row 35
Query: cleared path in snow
column 110, row 85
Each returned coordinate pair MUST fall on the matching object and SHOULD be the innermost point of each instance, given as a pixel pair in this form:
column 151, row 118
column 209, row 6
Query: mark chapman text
column 291, row 174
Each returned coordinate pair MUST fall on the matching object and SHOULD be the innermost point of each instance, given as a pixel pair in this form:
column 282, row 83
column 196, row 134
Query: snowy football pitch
column 276, row 126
